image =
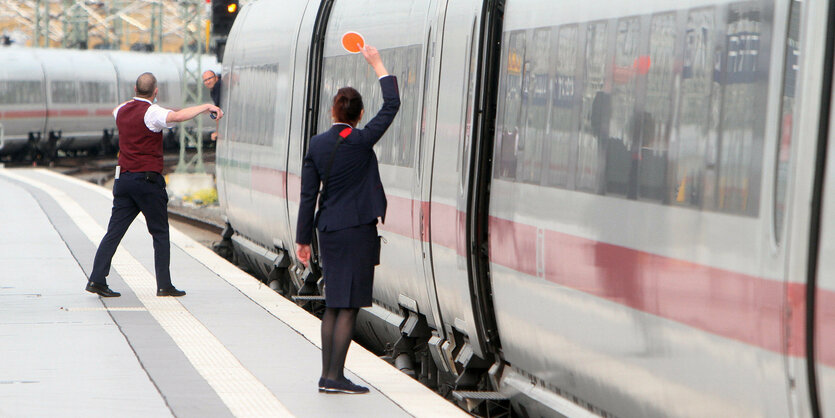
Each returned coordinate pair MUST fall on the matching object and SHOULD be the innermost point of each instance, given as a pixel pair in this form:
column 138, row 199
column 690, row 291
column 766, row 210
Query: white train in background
column 62, row 99
column 613, row 207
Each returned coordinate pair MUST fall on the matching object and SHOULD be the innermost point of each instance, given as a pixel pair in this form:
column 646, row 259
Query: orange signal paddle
column 352, row 42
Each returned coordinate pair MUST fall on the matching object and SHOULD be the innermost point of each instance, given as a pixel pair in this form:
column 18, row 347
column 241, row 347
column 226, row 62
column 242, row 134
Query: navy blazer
column 355, row 194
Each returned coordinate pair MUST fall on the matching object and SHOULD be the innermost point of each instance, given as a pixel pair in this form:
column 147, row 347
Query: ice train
column 607, row 207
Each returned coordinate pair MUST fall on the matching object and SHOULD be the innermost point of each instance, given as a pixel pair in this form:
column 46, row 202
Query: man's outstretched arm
column 189, row 113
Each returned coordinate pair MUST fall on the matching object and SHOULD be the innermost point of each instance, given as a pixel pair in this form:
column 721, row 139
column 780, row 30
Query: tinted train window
column 654, row 129
column 668, row 108
column 564, row 114
column 743, row 111
column 96, row 92
column 253, row 93
column 785, row 139
column 397, row 147
column 535, row 105
column 597, row 110
column 64, row 92
column 694, row 138
column 627, row 121
column 509, row 133
column 21, row 92
column 164, row 95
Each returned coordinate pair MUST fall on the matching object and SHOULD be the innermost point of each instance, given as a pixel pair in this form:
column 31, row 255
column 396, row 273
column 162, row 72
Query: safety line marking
column 242, row 392
column 110, row 308
column 413, row 397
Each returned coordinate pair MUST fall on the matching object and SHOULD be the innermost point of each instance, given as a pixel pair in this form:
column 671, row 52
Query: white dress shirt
column 155, row 116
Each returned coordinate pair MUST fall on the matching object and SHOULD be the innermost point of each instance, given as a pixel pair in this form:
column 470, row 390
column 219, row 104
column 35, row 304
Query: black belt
column 150, row 176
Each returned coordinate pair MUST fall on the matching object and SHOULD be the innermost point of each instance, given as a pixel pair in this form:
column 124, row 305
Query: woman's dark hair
column 347, row 105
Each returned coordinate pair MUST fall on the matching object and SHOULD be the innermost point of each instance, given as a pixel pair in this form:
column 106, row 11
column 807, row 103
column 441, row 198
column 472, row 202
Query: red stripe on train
column 733, row 305
column 269, row 180
column 23, row 114
column 67, row 112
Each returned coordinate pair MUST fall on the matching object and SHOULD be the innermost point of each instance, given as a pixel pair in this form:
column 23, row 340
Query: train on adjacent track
column 62, row 100
column 602, row 206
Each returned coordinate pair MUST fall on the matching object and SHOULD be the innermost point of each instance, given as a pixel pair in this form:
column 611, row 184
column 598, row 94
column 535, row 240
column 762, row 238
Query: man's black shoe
column 170, row 292
column 101, row 290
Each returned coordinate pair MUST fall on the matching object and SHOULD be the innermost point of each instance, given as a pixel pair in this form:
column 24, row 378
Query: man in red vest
column 139, row 185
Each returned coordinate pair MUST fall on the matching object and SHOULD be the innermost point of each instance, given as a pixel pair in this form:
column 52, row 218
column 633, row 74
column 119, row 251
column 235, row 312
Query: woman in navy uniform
column 352, row 198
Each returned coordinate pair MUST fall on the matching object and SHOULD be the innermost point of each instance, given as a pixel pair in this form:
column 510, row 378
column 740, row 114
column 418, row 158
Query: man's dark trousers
column 134, row 193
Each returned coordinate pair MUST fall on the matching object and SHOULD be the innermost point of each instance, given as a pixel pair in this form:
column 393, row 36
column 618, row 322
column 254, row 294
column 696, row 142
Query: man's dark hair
column 146, row 83
column 347, row 105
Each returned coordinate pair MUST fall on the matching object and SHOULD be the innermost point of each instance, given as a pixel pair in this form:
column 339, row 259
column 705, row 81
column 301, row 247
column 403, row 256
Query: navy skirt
column 348, row 259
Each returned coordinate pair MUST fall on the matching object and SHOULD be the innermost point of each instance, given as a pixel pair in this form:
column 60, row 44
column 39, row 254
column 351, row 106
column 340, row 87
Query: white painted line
column 111, row 309
column 408, row 393
column 242, row 392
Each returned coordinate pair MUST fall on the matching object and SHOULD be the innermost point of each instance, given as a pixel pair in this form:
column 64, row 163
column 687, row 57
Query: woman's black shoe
column 101, row 290
column 322, row 381
column 343, row 386
column 171, row 291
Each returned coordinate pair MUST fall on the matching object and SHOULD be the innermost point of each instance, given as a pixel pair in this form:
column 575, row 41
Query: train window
column 743, row 111
column 466, row 124
column 127, row 90
column 164, row 95
column 256, row 121
column 653, row 130
column 627, row 120
column 95, row 92
column 535, row 109
column 409, row 112
column 21, row 92
column 695, row 133
column 397, row 145
column 511, row 106
column 791, row 63
column 64, row 91
column 597, row 110
column 564, row 116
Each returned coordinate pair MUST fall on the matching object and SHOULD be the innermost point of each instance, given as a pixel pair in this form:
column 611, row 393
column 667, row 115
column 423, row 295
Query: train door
column 810, row 215
column 820, row 286
column 406, row 34
column 302, row 122
column 449, row 187
column 427, row 135
column 223, row 149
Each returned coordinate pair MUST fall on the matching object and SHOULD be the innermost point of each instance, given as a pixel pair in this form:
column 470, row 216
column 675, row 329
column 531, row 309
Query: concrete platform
column 231, row 347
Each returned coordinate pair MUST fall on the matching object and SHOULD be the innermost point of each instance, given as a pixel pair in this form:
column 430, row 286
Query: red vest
column 140, row 149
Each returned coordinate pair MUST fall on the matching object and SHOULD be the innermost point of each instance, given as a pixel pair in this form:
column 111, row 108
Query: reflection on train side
column 667, row 108
column 397, row 147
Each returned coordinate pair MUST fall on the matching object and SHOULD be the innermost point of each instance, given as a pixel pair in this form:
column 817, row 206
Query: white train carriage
column 80, row 91
column 600, row 205
column 22, row 101
column 56, row 99
column 129, row 65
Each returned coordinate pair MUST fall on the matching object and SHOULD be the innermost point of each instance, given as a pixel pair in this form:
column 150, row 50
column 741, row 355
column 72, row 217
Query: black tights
column 337, row 330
